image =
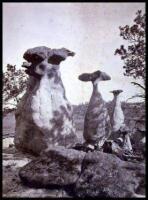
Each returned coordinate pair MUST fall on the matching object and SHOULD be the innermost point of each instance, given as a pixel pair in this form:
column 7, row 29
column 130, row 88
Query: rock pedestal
column 44, row 115
column 97, row 126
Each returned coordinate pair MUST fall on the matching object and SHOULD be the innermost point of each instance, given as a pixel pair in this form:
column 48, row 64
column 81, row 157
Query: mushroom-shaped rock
column 39, row 54
column 59, row 55
column 54, row 56
column 44, row 115
column 117, row 119
column 119, row 129
column 116, row 92
column 95, row 76
column 97, row 122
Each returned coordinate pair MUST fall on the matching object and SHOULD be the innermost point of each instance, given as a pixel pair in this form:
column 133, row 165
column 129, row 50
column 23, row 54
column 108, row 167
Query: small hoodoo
column 119, row 130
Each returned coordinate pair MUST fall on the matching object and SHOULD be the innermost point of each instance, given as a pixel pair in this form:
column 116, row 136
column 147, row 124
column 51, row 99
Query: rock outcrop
column 44, row 115
column 92, row 174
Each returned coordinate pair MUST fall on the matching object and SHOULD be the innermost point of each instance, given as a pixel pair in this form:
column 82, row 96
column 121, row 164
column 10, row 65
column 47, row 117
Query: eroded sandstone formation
column 97, row 127
column 120, row 132
column 44, row 115
column 117, row 119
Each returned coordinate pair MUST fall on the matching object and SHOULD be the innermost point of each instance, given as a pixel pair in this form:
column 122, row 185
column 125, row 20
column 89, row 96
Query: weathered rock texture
column 44, row 115
column 58, row 167
column 117, row 118
column 93, row 174
column 105, row 175
column 97, row 125
column 119, row 129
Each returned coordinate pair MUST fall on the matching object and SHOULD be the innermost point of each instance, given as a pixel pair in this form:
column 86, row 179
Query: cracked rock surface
column 92, row 174
column 58, row 167
column 105, row 175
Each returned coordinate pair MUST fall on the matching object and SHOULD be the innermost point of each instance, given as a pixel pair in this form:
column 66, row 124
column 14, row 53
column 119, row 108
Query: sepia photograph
column 73, row 100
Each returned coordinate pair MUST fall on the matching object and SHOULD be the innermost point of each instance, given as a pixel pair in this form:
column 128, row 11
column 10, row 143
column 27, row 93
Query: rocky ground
column 12, row 185
column 14, row 160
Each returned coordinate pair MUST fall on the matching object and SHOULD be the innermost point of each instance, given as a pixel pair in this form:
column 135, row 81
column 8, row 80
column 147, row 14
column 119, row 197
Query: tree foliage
column 134, row 55
column 14, row 84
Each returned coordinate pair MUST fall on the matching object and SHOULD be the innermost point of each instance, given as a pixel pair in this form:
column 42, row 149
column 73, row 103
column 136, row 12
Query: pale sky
column 91, row 30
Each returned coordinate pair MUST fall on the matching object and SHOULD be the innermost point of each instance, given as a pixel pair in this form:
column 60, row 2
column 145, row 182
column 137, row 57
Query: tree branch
column 135, row 96
column 139, row 85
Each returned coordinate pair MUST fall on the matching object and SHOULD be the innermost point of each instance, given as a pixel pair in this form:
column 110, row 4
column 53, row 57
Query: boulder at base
column 57, row 167
column 105, row 175
column 93, row 174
